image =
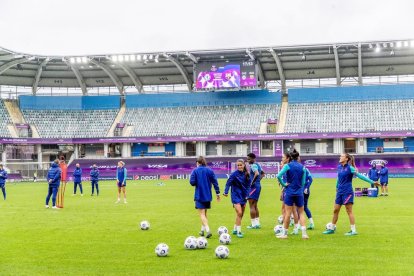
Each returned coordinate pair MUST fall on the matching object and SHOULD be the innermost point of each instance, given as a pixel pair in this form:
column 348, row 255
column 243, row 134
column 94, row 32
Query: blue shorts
column 119, row 184
column 241, row 201
column 384, row 184
column 297, row 200
column 254, row 192
column 343, row 199
column 202, row 204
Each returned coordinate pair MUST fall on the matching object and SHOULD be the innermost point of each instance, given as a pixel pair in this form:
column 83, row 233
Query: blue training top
column 295, row 176
column 202, row 178
column 239, row 185
column 77, row 175
column 383, row 175
column 94, row 174
column 344, row 181
column 3, row 176
column 373, row 174
column 121, row 174
column 255, row 167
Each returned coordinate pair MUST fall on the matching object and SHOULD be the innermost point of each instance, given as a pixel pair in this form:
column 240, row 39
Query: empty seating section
column 350, row 116
column 71, row 123
column 4, row 120
column 199, row 120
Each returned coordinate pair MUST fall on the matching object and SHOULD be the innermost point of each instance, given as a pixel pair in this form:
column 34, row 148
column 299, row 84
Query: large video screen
column 218, row 75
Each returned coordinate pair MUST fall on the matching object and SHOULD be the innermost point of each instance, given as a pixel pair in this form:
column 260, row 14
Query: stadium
column 159, row 111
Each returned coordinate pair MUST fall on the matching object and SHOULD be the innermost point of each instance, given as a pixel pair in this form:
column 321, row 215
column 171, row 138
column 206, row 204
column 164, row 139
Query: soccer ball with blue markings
column 330, row 226
column 222, row 252
column 144, row 225
column 162, row 250
column 225, row 238
column 280, row 219
column 278, row 229
column 221, row 230
column 190, row 243
column 202, row 242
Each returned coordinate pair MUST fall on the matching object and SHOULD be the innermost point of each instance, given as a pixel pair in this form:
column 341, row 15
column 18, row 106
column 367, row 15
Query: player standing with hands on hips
column 121, row 176
column 203, row 178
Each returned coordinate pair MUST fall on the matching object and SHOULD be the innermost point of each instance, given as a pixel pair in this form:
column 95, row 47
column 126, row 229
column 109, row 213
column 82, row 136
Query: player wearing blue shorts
column 373, row 174
column 285, row 160
column 254, row 191
column 345, row 192
column 203, row 178
column 383, row 178
column 3, row 177
column 239, row 183
column 121, row 177
column 296, row 178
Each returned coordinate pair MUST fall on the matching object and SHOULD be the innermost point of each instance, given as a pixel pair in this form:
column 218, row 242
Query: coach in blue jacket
column 94, row 179
column 203, row 178
column 53, row 178
column 77, row 179
column 3, row 177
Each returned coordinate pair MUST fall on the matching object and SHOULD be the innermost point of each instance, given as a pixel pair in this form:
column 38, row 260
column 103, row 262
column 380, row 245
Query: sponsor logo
column 165, row 177
column 310, row 162
column 218, row 164
column 157, row 166
column 378, row 162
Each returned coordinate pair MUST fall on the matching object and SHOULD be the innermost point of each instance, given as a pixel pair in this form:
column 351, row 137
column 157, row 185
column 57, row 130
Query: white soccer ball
column 162, row 250
column 202, row 242
column 222, row 252
column 225, row 238
column 330, row 226
column 280, row 219
column 144, row 225
column 221, row 230
column 278, row 229
column 190, row 243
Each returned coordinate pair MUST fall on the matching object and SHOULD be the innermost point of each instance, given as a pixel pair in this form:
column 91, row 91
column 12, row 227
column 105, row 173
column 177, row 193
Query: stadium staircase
column 117, row 120
column 17, row 118
column 282, row 116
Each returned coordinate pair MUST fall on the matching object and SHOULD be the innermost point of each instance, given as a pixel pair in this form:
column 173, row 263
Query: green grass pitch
column 93, row 235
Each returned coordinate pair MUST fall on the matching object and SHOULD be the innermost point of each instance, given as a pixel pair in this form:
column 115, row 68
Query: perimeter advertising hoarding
column 226, row 75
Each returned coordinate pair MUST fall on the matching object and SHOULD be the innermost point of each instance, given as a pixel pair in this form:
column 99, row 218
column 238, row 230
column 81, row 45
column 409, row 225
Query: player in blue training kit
column 296, row 178
column 77, row 179
column 203, row 178
column 254, row 191
column 121, row 176
column 345, row 192
column 239, row 183
column 306, row 195
column 383, row 179
column 53, row 178
column 94, row 179
column 3, row 177
column 373, row 174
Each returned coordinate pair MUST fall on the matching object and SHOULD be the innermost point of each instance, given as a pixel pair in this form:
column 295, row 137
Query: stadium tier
column 4, row 120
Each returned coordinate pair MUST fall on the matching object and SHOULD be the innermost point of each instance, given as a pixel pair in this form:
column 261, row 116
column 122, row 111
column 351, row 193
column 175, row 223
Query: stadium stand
column 351, row 109
column 4, row 120
column 201, row 114
column 70, row 117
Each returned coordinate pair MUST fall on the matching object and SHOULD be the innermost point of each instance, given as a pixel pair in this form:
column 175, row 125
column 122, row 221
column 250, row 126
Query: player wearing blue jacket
column 53, row 178
column 239, row 183
column 254, row 191
column 3, row 177
column 203, row 178
column 383, row 179
column 95, row 179
column 121, row 177
column 345, row 192
column 296, row 178
column 77, row 179
column 306, row 195
column 373, row 174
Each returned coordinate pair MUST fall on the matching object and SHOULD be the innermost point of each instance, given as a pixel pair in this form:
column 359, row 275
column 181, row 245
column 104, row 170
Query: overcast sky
column 77, row 27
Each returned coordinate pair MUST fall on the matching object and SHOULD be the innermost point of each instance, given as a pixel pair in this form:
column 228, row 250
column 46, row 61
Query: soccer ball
column 280, row 219
column 201, row 242
column 330, row 226
column 190, row 243
column 278, row 229
column 162, row 250
column 225, row 238
column 222, row 252
column 144, row 225
column 222, row 229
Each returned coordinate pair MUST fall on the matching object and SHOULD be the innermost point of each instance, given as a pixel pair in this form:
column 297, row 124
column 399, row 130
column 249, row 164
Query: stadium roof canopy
column 275, row 63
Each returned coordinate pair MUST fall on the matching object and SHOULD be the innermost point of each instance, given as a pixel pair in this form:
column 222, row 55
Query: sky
column 88, row 27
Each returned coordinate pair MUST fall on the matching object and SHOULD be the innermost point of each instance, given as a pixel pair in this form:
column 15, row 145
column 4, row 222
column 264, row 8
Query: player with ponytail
column 345, row 192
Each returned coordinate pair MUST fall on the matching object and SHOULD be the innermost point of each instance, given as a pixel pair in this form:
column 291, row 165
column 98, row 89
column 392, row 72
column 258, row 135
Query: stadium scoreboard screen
column 225, row 75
